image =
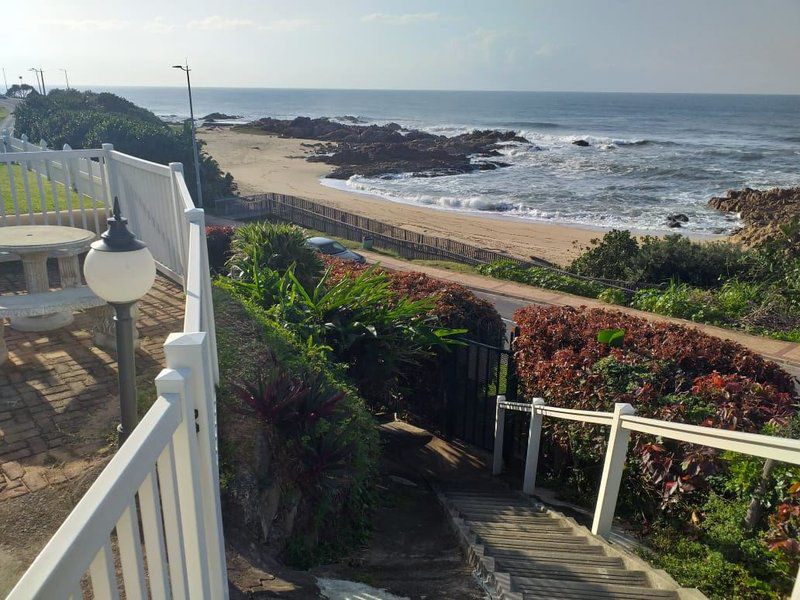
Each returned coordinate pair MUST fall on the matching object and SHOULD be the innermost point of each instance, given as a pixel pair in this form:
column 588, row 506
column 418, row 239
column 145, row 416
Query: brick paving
column 58, row 390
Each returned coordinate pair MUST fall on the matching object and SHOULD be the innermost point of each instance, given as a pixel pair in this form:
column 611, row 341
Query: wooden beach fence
column 406, row 243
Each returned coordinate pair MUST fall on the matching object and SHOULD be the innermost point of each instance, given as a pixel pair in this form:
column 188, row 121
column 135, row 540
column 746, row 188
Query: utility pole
column 66, row 77
column 44, row 91
column 38, row 84
column 5, row 81
column 194, row 135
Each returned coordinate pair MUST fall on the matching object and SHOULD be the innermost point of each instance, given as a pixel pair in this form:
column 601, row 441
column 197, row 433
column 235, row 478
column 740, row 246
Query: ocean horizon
column 650, row 155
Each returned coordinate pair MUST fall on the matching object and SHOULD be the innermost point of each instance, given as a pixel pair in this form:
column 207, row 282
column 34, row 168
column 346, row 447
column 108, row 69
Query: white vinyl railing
column 151, row 523
column 82, row 185
column 622, row 422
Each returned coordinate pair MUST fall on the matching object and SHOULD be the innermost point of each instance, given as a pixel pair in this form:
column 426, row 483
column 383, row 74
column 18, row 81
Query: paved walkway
column 58, row 390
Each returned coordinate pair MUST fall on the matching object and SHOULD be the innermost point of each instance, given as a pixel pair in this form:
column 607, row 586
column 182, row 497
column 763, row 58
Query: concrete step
column 489, row 531
column 535, row 589
column 545, row 556
column 582, row 573
column 555, row 527
column 542, row 545
column 488, row 516
column 497, row 537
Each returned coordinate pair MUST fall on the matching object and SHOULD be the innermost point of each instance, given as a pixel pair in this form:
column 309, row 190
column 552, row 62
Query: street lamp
column 65, row 76
column 194, row 135
column 120, row 270
column 38, row 84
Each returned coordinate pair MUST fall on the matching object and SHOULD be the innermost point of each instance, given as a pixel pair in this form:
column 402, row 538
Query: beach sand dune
column 262, row 163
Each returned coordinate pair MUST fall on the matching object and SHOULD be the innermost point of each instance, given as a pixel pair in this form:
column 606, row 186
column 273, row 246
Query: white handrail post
column 187, row 471
column 6, row 140
column 532, row 453
column 796, row 588
column 188, row 353
column 499, row 430
column 111, row 177
column 177, row 211
column 197, row 216
column 612, row 471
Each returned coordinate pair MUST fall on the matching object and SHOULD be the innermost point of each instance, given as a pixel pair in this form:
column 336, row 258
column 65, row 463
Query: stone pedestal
column 104, row 330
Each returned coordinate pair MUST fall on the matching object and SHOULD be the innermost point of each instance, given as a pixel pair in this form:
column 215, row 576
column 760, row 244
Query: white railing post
column 532, row 453
column 177, row 213
column 499, row 431
column 187, row 472
column 6, row 140
column 111, row 178
column 796, row 588
column 188, row 353
column 612, row 471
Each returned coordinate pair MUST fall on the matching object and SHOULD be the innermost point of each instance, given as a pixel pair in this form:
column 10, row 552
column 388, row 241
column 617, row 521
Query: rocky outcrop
column 378, row 150
column 763, row 211
column 677, row 220
column 218, row 116
column 581, row 143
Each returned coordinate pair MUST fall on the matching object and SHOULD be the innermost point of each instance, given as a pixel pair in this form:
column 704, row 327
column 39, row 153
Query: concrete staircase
column 527, row 552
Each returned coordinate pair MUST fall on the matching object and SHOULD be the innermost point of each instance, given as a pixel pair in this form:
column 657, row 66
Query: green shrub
column 681, row 301
column 88, row 119
column 276, row 247
column 326, row 457
column 613, row 296
column 656, row 260
column 541, row 277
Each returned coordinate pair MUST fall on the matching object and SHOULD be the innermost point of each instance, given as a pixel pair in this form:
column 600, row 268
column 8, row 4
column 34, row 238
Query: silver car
column 333, row 248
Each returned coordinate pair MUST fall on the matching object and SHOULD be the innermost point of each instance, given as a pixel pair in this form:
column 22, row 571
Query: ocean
column 650, row 155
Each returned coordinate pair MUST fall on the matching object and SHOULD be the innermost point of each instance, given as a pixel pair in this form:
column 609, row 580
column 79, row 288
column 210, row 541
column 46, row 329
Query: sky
column 716, row 46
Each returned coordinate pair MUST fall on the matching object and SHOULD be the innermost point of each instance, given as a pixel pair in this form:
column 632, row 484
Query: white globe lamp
column 120, row 269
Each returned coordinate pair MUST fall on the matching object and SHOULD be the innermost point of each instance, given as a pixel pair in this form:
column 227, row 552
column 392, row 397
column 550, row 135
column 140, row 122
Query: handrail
column 6, row 157
column 558, row 412
column 139, row 163
column 76, row 543
column 755, row 444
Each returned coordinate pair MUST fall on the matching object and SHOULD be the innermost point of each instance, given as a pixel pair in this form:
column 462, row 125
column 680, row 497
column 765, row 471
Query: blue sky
column 737, row 46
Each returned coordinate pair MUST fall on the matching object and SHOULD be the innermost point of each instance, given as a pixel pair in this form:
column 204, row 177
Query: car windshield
column 332, row 248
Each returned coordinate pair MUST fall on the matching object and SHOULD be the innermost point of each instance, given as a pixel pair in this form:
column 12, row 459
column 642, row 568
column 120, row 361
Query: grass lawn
column 33, row 187
column 3, row 112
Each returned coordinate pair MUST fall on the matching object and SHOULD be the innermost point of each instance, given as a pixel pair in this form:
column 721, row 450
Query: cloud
column 88, row 24
column 287, row 24
column 217, row 22
column 158, row 25
column 404, row 19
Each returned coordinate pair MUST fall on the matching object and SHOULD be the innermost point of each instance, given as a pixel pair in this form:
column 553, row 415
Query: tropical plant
column 377, row 335
column 218, row 242
column 276, row 247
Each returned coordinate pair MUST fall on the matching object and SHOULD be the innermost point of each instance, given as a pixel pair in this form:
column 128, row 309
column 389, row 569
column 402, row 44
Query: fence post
column 187, row 473
column 499, row 430
column 177, row 212
column 111, row 179
column 612, row 471
column 6, row 140
column 188, row 353
column 532, row 453
column 796, row 588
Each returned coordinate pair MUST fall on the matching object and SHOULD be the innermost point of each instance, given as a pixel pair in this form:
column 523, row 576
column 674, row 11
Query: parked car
column 333, row 248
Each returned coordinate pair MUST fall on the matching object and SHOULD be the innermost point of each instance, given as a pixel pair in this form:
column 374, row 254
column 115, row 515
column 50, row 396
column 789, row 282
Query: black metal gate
column 477, row 374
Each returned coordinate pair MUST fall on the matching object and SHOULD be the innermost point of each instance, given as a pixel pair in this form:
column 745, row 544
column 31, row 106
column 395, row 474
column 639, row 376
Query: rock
column 581, row 143
column 763, row 211
column 376, row 150
column 217, row 116
column 677, row 220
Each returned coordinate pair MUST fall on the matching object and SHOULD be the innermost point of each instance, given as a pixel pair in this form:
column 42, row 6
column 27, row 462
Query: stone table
column 34, row 244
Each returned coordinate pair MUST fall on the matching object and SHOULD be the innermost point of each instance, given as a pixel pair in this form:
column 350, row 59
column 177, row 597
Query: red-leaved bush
column 218, row 242
column 666, row 371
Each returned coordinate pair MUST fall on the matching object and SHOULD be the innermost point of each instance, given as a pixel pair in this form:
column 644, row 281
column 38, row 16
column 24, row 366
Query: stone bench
column 45, row 303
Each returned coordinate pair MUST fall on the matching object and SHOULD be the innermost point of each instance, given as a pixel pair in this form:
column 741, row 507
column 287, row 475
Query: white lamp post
column 120, row 270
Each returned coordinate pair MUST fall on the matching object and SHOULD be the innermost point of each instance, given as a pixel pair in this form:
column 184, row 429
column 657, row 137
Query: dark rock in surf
column 677, row 220
column 376, row 150
column 581, row 143
column 218, row 116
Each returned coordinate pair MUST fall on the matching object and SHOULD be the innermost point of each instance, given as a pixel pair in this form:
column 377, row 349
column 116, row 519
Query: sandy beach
column 262, row 163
